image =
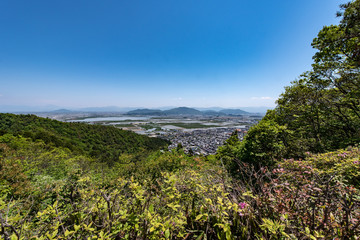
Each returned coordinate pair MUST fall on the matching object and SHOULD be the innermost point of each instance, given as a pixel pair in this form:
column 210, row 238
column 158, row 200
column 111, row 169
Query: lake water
column 109, row 119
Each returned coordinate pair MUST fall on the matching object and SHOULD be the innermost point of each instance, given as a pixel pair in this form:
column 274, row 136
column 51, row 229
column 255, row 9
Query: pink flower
column 342, row 154
column 242, row 205
column 356, row 162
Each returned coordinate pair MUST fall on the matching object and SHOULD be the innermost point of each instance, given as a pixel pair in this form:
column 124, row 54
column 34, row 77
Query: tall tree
column 321, row 110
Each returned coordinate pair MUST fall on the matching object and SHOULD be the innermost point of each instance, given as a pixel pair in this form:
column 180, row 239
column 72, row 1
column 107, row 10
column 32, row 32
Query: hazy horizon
column 49, row 108
column 145, row 54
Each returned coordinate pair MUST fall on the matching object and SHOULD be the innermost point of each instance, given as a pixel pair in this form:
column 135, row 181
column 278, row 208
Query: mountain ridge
column 188, row 111
column 125, row 110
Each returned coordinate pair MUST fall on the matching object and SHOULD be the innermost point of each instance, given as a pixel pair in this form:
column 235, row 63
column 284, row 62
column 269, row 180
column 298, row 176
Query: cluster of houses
column 202, row 141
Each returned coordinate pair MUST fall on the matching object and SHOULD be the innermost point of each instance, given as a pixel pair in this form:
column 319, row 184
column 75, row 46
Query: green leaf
column 198, row 217
column 151, row 208
column 76, row 227
column 67, row 233
column 13, row 237
column 167, row 233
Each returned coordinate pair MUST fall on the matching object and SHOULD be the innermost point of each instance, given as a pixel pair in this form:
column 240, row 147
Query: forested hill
column 104, row 142
column 320, row 111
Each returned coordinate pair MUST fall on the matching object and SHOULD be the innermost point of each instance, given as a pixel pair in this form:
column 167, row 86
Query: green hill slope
column 105, row 142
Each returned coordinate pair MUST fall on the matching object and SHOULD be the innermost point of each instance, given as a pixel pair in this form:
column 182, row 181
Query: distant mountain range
column 140, row 111
column 188, row 111
column 57, row 109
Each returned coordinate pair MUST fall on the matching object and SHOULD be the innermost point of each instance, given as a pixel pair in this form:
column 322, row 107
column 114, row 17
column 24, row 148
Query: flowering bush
column 51, row 194
column 342, row 164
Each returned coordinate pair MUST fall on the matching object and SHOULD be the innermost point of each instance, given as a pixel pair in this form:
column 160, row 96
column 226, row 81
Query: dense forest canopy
column 103, row 142
column 296, row 174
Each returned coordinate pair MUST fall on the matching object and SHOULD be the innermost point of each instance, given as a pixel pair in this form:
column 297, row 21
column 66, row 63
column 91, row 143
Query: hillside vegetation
column 296, row 175
column 103, row 142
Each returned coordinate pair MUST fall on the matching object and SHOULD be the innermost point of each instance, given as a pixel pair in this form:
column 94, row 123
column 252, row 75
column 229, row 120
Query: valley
column 199, row 133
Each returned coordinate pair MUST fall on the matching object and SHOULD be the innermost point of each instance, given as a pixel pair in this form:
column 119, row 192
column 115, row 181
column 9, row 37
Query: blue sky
column 141, row 53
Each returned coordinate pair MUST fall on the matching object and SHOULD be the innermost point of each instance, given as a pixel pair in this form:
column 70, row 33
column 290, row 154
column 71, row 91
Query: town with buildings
column 202, row 141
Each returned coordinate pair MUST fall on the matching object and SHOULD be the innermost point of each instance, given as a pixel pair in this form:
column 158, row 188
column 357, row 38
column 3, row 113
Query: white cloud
column 266, row 98
column 177, row 99
column 261, row 98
